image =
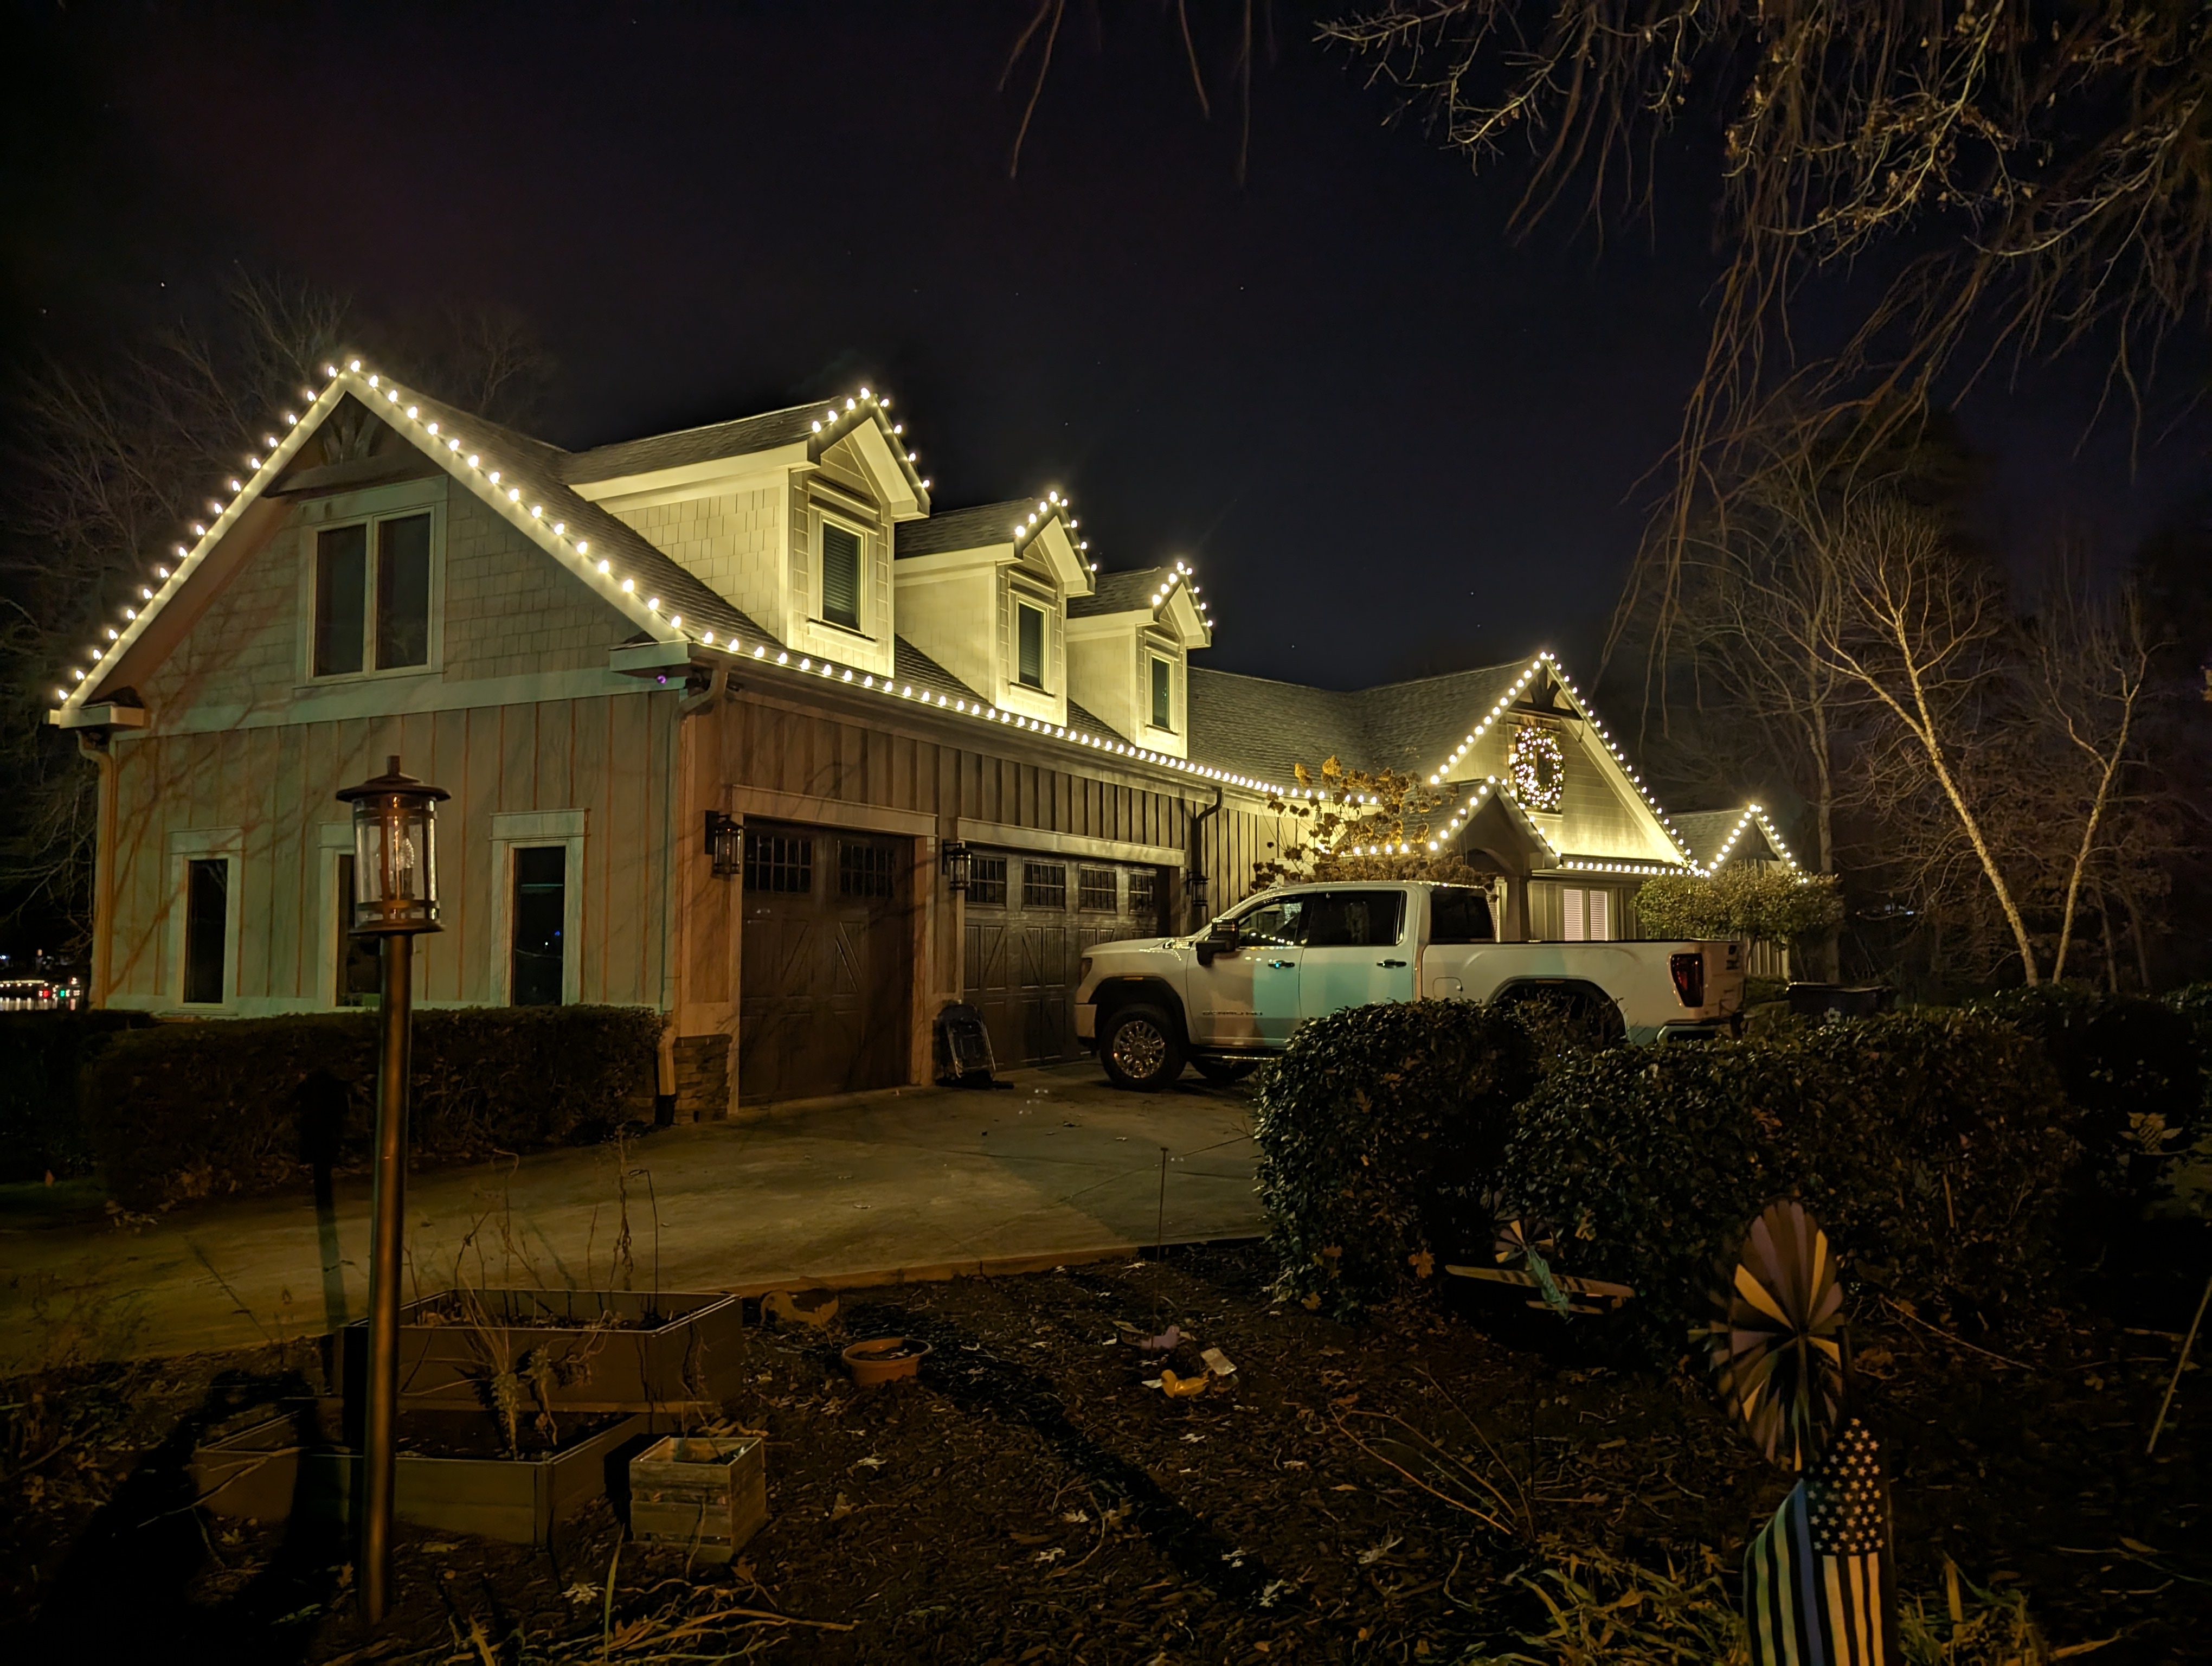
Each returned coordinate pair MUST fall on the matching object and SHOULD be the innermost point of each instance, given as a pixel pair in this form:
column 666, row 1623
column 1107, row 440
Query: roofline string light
column 1752, row 813
column 860, row 405
column 452, row 452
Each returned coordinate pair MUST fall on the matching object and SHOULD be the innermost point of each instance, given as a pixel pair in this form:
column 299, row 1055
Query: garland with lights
column 1538, row 768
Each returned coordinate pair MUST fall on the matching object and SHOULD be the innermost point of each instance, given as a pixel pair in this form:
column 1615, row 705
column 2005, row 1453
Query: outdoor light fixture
column 726, row 844
column 395, row 866
column 1194, row 888
column 953, row 857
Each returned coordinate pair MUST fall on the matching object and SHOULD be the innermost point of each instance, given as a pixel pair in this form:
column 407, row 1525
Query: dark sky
column 1391, row 441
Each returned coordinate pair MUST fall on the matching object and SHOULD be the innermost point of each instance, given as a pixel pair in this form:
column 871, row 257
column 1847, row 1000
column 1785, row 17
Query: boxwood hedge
column 1376, row 1130
column 186, row 1111
column 1935, row 1147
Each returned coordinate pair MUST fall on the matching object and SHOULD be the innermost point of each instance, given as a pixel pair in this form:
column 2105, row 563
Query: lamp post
column 395, row 875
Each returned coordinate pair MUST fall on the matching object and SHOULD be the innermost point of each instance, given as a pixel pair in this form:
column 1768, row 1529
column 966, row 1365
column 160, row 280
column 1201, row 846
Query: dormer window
column 372, row 596
column 1029, row 645
column 841, row 576
column 1162, row 693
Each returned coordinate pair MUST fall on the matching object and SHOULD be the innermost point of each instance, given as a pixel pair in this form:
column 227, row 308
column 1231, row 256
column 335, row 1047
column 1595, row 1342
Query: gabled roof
column 1017, row 526
column 1717, row 837
column 1169, row 595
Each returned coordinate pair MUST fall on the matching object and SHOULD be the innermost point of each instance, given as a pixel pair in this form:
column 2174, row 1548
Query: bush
column 1770, row 904
column 186, row 1111
column 42, row 1059
column 2118, row 1056
column 1933, row 1146
column 2193, row 1005
column 1375, row 1130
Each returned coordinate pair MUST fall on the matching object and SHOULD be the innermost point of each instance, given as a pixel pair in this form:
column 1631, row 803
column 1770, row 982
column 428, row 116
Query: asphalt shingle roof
column 1253, row 725
column 706, row 444
column 1706, row 830
column 963, row 529
column 1119, row 592
column 910, row 665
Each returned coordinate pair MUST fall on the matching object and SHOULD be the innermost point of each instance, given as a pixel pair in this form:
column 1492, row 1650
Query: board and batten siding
column 609, row 757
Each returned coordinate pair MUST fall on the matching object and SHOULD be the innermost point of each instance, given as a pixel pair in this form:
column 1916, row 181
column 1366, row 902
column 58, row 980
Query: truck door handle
column 1389, row 963
column 1282, row 963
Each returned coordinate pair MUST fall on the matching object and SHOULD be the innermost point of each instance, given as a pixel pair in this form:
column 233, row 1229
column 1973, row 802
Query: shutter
column 1601, row 920
column 1572, row 909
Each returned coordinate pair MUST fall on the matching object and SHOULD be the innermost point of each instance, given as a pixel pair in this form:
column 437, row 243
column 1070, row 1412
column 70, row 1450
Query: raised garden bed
column 453, row 1477
column 704, row 1495
column 580, row 1350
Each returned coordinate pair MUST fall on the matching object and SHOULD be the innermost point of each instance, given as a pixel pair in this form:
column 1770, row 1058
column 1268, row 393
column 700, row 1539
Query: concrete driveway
column 905, row 1183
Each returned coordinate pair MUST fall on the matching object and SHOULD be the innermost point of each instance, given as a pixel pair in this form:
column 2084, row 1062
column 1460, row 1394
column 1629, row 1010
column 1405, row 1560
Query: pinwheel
column 1778, row 1342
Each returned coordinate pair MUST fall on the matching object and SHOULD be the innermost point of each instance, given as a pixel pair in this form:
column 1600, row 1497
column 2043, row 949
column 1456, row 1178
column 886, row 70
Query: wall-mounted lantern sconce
column 726, row 844
column 1194, row 886
column 952, row 857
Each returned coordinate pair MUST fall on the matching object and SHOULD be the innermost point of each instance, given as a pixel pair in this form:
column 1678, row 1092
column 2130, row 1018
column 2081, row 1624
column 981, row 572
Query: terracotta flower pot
column 882, row 1359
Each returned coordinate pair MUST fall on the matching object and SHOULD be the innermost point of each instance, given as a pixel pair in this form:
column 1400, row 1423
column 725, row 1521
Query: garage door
column 825, row 1004
column 1029, row 920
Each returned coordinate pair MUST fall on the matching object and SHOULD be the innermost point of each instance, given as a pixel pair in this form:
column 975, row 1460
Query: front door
column 1249, row 999
column 1356, row 952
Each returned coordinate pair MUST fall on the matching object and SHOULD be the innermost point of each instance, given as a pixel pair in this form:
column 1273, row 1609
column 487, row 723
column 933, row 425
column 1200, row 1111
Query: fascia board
column 946, row 563
column 1189, row 624
column 886, row 471
column 1056, row 547
column 717, row 479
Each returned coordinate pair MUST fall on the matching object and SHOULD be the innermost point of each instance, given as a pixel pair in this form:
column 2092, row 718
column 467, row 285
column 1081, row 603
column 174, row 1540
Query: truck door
column 1356, row 952
column 1249, row 999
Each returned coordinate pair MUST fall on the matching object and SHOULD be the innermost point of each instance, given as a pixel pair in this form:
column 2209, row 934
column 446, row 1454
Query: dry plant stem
column 1955, row 1341
column 2180, row 1366
column 1483, row 1482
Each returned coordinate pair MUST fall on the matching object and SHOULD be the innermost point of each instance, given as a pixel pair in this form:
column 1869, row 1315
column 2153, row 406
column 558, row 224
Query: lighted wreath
column 1539, row 767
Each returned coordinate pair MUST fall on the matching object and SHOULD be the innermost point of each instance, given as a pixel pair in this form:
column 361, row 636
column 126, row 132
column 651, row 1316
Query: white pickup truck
column 1231, row 995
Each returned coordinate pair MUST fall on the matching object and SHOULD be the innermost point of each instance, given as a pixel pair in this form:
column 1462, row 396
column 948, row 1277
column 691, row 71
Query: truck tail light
column 1688, row 971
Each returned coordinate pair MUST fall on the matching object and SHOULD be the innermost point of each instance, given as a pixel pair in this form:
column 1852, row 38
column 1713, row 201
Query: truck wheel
column 1141, row 1049
column 1222, row 1071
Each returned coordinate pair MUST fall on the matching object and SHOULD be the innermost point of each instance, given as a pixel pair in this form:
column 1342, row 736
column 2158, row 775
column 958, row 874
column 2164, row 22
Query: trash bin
column 1812, row 1000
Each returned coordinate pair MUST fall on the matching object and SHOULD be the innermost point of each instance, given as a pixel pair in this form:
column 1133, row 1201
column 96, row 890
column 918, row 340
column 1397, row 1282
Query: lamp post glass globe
column 395, row 849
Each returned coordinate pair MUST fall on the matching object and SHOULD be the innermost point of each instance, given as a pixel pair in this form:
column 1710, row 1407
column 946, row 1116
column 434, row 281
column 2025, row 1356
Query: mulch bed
column 1029, row 1499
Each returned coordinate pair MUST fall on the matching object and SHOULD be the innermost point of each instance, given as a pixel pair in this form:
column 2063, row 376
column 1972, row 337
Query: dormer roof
column 1716, row 837
column 1163, row 595
column 1043, row 526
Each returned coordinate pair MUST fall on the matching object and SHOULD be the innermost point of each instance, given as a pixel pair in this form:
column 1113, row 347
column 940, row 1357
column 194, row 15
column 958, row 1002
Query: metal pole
column 380, row 1463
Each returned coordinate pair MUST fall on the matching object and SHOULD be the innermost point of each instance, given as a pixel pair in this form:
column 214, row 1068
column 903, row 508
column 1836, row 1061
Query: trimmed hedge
column 1934, row 1147
column 1376, row 1129
column 189, row 1110
column 42, row 1059
column 2117, row 1055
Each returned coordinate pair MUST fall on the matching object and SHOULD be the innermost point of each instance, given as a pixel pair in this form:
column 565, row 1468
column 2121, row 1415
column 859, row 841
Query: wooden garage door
column 825, row 1005
column 1029, row 920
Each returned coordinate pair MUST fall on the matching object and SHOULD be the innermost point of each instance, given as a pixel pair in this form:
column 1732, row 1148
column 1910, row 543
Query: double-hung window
column 206, row 931
column 841, row 576
column 1162, row 691
column 1029, row 645
column 372, row 588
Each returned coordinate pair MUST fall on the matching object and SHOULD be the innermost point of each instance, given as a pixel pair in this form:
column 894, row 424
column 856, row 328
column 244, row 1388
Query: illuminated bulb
column 560, row 526
column 606, row 567
column 924, row 483
column 515, row 494
column 198, row 529
column 849, row 404
column 898, row 428
column 430, row 428
column 652, row 604
column 411, row 410
column 130, row 613
column 111, row 633
column 864, row 394
column 708, row 637
column 290, row 421
column 161, row 572
column 583, row 544
column 473, row 462
column 804, row 664
column 818, row 427
column 676, row 622
column 75, row 672
column 145, row 593
column 760, row 653
column 452, row 445
column 493, row 477
column 536, row 509
column 628, row 586
column 372, row 380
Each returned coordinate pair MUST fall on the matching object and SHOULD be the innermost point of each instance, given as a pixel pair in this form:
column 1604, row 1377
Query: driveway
column 905, row 1183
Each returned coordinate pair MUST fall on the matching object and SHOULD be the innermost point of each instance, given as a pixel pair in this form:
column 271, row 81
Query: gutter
column 1197, row 871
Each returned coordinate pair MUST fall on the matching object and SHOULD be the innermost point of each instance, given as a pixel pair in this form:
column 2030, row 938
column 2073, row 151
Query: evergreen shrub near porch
column 1377, row 1131
column 236, row 1105
column 1935, row 1147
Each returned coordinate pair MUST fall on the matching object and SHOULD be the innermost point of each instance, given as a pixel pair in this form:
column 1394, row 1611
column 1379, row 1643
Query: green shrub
column 2118, row 1056
column 1932, row 1146
column 186, row 1110
column 2193, row 1004
column 42, row 1058
column 1375, row 1130
column 1772, row 904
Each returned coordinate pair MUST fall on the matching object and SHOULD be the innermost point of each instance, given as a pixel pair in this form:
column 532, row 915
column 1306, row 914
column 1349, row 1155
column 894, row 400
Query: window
column 1460, row 914
column 1356, row 919
column 841, row 576
column 1044, row 885
column 373, row 615
column 863, row 870
column 360, row 975
column 1586, row 916
column 1282, row 923
column 541, row 912
column 1163, row 694
column 207, row 925
column 1098, row 890
column 1028, row 631
column 779, row 862
column 1144, row 893
column 987, row 880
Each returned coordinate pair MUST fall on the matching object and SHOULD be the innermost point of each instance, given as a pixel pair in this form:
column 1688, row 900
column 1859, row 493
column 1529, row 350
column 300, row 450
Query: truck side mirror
column 1219, row 939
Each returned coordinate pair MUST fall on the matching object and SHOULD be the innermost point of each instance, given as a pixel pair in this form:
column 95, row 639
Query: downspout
column 1198, row 846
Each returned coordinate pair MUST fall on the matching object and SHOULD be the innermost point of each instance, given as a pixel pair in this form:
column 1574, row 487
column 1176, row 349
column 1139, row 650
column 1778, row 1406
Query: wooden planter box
column 691, row 1356
column 705, row 1495
column 277, row 1470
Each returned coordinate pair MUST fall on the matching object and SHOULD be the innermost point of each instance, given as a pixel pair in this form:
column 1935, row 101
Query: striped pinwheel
column 1778, row 1343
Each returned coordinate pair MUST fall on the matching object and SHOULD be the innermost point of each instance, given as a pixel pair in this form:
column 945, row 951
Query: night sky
column 1391, row 441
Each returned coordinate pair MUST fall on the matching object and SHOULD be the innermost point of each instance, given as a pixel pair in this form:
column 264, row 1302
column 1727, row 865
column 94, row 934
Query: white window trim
column 523, row 829
column 310, row 534
column 333, row 841
column 820, row 514
column 1020, row 598
column 201, row 844
column 1152, row 655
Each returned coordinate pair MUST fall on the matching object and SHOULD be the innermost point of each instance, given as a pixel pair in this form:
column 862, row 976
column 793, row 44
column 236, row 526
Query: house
column 1744, row 837
column 740, row 727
